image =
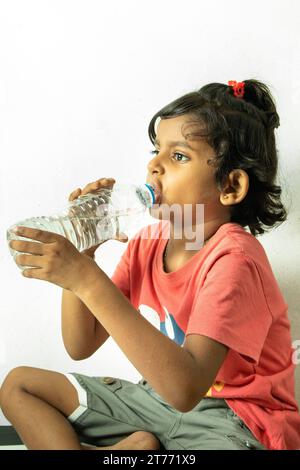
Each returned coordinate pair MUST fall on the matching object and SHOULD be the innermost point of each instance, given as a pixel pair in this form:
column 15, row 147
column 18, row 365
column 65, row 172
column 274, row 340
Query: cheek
column 204, row 189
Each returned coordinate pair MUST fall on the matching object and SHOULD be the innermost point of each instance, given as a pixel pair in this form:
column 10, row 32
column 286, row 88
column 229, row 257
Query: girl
column 217, row 373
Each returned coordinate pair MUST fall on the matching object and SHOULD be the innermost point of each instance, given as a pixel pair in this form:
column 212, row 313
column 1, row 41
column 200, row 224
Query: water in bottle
column 94, row 218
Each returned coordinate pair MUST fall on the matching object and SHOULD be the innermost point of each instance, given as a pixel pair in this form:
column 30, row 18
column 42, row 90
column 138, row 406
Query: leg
column 140, row 440
column 37, row 402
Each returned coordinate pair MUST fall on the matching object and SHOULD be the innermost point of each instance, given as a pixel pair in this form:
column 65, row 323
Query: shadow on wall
column 288, row 275
column 290, row 291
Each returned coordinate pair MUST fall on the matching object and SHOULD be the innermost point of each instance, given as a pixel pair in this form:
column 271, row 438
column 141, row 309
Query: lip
column 157, row 189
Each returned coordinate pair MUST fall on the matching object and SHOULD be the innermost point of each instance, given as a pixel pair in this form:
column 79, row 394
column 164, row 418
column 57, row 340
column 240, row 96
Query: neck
column 208, row 229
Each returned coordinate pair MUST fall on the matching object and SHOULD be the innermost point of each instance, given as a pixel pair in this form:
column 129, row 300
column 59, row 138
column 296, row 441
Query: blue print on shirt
column 169, row 327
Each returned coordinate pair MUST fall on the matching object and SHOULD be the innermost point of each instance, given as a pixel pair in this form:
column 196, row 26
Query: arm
column 81, row 332
column 178, row 374
column 175, row 372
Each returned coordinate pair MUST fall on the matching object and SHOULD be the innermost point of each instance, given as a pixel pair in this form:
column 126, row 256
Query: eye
column 155, row 152
column 181, row 155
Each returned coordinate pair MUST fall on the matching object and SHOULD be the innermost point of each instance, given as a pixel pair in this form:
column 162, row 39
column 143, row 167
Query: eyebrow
column 176, row 143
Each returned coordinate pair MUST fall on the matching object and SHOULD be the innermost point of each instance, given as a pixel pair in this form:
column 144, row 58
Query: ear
column 236, row 187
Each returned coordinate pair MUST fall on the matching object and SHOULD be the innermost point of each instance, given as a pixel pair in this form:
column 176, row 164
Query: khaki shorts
column 111, row 409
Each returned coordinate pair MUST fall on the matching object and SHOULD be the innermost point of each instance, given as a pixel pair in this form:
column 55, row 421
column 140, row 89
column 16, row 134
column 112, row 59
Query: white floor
column 20, row 447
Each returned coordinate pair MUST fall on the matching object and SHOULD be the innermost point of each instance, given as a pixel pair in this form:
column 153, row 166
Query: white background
column 79, row 83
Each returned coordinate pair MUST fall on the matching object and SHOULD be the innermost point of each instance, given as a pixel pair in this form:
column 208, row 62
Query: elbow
column 79, row 357
column 76, row 356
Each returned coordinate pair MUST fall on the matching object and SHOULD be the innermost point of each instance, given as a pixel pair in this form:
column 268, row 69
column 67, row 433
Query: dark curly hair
column 241, row 132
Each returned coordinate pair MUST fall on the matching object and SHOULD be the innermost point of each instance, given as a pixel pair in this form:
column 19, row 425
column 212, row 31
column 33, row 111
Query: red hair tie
column 238, row 88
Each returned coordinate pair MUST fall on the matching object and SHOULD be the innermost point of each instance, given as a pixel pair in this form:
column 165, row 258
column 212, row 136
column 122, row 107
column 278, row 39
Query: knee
column 12, row 382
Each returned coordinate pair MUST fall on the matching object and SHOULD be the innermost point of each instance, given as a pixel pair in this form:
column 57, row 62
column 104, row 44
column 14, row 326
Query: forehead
column 180, row 129
column 172, row 127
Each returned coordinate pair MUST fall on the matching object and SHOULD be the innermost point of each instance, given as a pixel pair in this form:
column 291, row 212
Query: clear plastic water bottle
column 96, row 217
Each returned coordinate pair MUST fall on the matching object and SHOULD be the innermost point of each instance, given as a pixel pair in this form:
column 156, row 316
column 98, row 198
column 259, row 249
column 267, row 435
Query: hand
column 95, row 187
column 55, row 259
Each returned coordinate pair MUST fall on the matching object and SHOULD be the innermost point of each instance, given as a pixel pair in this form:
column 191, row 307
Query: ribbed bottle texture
column 94, row 218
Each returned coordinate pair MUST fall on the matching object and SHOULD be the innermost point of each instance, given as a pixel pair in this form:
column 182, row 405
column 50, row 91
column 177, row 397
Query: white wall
column 79, row 82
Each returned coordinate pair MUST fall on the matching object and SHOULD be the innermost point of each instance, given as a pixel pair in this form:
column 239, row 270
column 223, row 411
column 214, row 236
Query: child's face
column 182, row 173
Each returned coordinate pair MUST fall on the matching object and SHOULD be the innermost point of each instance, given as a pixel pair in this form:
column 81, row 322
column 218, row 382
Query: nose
column 154, row 166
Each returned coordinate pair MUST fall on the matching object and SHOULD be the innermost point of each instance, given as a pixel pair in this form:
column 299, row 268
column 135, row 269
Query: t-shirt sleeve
column 231, row 307
column 121, row 274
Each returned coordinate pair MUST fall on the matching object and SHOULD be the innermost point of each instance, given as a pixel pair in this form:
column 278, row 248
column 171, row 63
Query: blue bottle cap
column 152, row 193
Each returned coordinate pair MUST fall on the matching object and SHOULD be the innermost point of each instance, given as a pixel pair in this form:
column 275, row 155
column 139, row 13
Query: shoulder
column 235, row 246
column 232, row 237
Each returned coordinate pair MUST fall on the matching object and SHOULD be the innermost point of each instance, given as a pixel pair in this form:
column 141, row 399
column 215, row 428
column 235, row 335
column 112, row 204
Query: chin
column 162, row 211
column 157, row 213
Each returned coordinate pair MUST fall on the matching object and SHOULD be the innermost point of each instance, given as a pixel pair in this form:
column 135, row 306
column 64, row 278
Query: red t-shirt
column 226, row 291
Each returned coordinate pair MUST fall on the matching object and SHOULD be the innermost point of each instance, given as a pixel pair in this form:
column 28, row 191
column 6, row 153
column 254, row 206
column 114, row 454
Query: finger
column 75, row 194
column 34, row 273
column 29, row 260
column 96, row 185
column 36, row 234
column 27, row 247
